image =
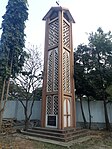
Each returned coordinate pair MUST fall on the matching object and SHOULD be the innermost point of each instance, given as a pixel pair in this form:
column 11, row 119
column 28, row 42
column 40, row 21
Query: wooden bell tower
column 58, row 102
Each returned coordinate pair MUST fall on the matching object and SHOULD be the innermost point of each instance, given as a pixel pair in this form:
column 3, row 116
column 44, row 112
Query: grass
column 102, row 141
column 99, row 140
column 40, row 145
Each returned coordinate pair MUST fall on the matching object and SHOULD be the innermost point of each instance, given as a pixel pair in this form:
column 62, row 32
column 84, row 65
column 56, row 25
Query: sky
column 88, row 15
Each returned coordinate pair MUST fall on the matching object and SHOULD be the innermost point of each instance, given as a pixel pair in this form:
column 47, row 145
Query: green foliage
column 82, row 67
column 93, row 75
column 15, row 91
column 93, row 65
column 1, row 83
column 12, row 38
column 12, row 42
column 109, row 90
column 37, row 93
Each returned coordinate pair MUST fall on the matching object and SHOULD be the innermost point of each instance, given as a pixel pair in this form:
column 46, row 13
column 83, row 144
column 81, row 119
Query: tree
column 98, row 66
column 78, row 76
column 82, row 83
column 101, row 47
column 109, row 91
column 28, row 82
column 12, row 54
column 38, row 93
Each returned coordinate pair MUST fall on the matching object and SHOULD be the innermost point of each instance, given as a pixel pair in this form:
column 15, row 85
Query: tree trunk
column 2, row 108
column 108, row 127
column 83, row 115
column 26, row 124
column 26, row 118
column 89, row 113
column 1, row 101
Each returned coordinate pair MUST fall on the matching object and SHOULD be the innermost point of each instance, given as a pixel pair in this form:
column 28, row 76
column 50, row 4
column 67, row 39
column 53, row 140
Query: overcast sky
column 88, row 14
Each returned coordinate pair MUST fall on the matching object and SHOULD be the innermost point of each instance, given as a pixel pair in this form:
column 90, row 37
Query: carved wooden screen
column 52, row 105
column 49, row 105
column 52, row 70
column 55, row 80
column 52, row 110
column 66, row 34
column 66, row 71
column 53, row 33
column 55, row 109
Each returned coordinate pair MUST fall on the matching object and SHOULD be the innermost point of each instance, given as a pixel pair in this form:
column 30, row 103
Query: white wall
column 97, row 111
column 14, row 109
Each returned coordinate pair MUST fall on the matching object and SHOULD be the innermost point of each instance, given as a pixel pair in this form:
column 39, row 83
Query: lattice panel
column 66, row 35
column 53, row 33
column 49, row 71
column 52, row 105
column 55, row 109
column 55, row 84
column 49, row 105
column 66, row 71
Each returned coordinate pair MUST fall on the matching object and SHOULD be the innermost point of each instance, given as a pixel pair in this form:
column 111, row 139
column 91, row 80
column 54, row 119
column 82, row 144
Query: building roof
column 56, row 9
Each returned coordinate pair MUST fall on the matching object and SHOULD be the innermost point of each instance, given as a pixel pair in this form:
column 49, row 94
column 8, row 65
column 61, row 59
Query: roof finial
column 57, row 2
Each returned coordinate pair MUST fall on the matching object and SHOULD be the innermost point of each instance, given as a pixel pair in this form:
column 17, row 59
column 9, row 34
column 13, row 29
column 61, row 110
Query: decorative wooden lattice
column 52, row 105
column 53, row 33
column 66, row 35
column 52, row 76
column 49, row 105
column 55, row 109
column 49, row 71
column 66, row 71
column 55, row 84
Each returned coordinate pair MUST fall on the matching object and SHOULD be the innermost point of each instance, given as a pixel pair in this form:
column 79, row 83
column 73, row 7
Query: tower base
column 56, row 134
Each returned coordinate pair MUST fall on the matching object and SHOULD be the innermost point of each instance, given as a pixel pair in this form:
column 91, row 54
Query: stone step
column 56, row 134
column 46, row 132
column 54, row 130
column 59, row 131
column 43, row 136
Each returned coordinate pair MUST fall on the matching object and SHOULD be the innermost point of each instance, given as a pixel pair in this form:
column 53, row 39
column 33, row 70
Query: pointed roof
column 56, row 9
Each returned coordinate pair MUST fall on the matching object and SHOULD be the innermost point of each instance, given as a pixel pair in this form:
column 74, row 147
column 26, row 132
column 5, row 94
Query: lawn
column 98, row 140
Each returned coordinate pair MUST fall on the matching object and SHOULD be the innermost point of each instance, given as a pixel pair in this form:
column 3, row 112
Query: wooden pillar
column 43, row 111
column 60, row 73
column 72, row 79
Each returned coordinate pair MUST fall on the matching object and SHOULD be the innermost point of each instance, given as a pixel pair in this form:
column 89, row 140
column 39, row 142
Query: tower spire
column 57, row 2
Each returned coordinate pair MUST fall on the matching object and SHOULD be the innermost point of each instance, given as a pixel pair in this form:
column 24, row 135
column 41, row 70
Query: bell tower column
column 58, row 103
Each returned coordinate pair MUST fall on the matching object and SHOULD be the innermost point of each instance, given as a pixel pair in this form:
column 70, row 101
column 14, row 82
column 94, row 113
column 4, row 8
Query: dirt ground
column 11, row 142
column 99, row 140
